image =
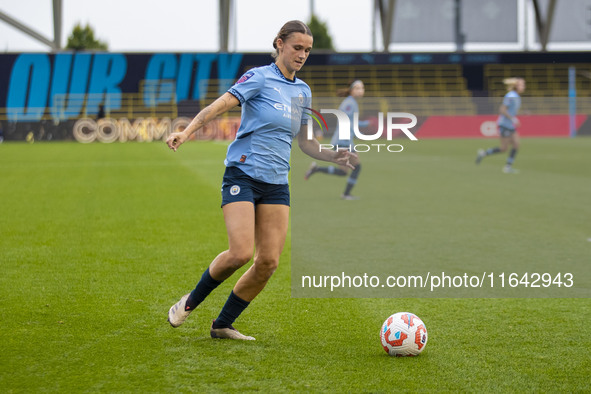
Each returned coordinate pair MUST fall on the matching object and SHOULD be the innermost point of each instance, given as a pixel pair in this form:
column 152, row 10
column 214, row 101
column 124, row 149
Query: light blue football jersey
column 349, row 106
column 262, row 147
column 512, row 101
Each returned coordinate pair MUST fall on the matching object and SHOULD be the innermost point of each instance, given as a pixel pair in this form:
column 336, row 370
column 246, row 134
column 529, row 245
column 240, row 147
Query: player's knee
column 237, row 258
column 265, row 266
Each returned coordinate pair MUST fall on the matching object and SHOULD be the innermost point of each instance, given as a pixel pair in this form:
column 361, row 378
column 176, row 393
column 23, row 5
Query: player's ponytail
column 290, row 27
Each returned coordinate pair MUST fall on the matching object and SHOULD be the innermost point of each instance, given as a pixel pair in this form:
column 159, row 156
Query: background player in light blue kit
column 508, row 123
column 255, row 192
column 349, row 106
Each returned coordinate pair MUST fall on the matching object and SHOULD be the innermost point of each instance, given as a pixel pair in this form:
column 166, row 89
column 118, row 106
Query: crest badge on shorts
column 234, row 190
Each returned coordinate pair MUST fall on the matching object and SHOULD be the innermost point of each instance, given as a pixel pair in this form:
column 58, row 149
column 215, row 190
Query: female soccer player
column 349, row 106
column 255, row 192
column 508, row 123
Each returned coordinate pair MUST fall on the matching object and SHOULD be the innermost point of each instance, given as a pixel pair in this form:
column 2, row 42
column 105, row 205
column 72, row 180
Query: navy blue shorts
column 237, row 186
column 506, row 132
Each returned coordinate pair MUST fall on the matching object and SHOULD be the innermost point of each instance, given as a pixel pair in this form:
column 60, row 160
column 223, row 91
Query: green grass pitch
column 97, row 242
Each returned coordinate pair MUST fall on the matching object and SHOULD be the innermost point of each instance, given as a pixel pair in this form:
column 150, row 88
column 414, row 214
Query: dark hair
column 290, row 27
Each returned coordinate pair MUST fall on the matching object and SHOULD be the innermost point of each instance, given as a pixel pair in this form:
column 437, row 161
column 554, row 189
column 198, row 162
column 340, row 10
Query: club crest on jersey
column 234, row 190
column 245, row 77
column 301, row 98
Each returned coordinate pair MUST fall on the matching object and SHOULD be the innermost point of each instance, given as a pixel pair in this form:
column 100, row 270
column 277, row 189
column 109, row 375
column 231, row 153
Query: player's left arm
column 312, row 148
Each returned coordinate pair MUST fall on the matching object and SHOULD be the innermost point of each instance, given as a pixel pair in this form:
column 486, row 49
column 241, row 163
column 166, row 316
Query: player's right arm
column 223, row 104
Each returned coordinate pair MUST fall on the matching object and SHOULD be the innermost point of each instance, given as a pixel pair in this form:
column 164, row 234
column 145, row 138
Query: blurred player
column 349, row 106
column 255, row 192
column 508, row 124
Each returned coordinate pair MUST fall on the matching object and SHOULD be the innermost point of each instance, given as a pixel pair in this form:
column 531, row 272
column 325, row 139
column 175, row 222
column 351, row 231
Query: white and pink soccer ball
column 403, row 334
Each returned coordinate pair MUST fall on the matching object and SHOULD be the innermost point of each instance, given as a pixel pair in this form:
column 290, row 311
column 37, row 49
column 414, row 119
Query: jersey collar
column 278, row 72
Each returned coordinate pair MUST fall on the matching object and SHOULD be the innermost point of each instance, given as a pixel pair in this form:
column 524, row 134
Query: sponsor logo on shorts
column 234, row 190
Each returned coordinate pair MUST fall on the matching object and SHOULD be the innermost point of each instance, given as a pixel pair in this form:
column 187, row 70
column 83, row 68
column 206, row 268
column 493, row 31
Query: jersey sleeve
column 248, row 85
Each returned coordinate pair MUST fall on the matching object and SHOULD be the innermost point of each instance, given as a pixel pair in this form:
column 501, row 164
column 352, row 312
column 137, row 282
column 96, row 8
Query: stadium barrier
column 438, row 117
column 438, row 93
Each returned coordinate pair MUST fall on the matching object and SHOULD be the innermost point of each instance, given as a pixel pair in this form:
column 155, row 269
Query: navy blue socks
column 331, row 170
column 205, row 286
column 232, row 309
column 511, row 157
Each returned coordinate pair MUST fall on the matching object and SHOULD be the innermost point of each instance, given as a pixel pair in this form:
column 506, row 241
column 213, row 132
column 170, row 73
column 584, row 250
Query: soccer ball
column 403, row 334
